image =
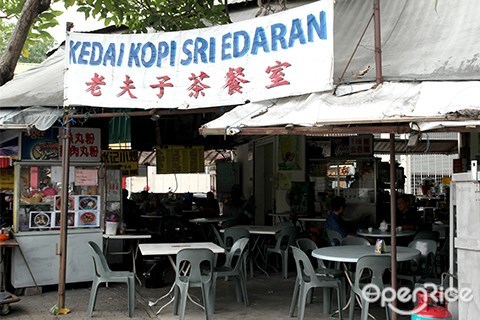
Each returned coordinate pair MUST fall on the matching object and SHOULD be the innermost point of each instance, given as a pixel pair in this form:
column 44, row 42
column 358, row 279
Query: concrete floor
column 270, row 299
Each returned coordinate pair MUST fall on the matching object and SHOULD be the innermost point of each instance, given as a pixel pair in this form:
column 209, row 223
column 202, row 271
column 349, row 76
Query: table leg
column 257, row 251
column 134, row 252
column 152, row 303
column 350, row 282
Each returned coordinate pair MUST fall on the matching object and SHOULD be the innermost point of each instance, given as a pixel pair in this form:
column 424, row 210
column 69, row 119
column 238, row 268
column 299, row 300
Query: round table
column 353, row 253
column 376, row 233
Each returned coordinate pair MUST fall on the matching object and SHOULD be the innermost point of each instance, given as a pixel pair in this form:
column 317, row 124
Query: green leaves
column 161, row 15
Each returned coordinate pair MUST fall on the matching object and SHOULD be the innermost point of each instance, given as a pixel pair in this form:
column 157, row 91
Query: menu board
column 180, row 159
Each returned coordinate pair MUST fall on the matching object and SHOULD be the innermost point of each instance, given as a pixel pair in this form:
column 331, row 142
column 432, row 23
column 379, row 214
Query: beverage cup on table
column 370, row 229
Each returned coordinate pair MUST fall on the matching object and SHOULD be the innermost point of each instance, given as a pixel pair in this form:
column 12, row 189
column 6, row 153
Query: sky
column 78, row 19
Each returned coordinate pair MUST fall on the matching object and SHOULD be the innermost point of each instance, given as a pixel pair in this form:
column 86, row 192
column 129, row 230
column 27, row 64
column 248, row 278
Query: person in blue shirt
column 334, row 218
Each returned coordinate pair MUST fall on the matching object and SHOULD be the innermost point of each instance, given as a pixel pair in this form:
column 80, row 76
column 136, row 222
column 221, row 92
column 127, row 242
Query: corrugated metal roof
column 425, row 146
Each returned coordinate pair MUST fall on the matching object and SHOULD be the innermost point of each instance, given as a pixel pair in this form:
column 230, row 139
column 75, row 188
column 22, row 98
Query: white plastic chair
column 103, row 274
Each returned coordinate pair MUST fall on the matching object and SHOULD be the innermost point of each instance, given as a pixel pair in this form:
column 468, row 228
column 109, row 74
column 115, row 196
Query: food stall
column 36, row 216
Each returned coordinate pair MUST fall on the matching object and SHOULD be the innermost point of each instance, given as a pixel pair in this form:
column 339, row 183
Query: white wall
column 162, row 183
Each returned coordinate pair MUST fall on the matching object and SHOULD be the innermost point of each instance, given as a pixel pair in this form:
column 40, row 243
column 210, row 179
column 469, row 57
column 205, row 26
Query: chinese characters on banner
column 126, row 159
column 180, row 159
column 44, row 145
column 284, row 54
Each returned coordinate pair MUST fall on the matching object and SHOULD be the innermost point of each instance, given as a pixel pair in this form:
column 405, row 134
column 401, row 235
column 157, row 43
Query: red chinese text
column 277, row 74
column 94, row 85
column 162, row 83
column 127, row 88
column 198, row 87
column 235, row 80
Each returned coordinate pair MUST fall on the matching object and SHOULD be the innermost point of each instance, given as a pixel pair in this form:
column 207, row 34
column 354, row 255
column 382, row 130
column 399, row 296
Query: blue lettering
column 148, row 50
column 162, row 52
column 187, row 52
column 73, row 48
column 226, row 45
column 120, row 56
column 279, row 30
column 211, row 51
column 173, row 52
column 110, row 55
column 296, row 33
column 259, row 41
column 97, row 53
column 133, row 54
column 200, row 48
column 84, row 53
column 319, row 27
column 240, row 49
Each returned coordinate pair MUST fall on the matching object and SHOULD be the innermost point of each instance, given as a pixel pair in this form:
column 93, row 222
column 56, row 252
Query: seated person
column 334, row 218
column 156, row 207
column 407, row 215
column 210, row 207
column 129, row 211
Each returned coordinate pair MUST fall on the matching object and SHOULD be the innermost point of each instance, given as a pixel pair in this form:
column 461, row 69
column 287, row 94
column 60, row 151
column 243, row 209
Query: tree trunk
column 8, row 61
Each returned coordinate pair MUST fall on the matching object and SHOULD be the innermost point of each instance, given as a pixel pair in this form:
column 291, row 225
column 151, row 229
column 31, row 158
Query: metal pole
column 378, row 43
column 64, row 211
column 393, row 218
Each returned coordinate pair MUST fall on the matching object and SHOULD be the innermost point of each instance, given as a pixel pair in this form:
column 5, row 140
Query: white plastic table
column 170, row 249
column 353, row 253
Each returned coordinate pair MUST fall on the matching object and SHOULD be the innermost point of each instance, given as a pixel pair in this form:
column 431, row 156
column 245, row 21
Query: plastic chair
column 376, row 265
column 306, row 280
column 218, row 237
column 103, row 274
column 334, row 237
column 355, row 241
column 234, row 269
column 427, row 235
column 230, row 236
column 307, row 246
column 284, row 239
column 423, row 267
column 194, row 268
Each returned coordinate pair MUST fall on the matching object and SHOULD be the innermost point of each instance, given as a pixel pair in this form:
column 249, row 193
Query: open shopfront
column 93, row 192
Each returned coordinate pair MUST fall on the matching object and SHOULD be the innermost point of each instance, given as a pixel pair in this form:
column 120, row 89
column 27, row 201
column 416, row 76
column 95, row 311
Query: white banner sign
column 285, row 54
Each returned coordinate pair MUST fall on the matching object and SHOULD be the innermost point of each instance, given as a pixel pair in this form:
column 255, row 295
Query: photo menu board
column 83, row 212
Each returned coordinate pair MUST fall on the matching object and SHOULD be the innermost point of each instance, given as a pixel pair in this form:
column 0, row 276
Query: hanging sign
column 126, row 159
column 279, row 55
column 44, row 145
column 180, row 159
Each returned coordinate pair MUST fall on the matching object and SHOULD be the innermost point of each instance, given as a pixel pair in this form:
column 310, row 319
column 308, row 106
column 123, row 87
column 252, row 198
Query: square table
column 170, row 249
column 259, row 233
column 133, row 240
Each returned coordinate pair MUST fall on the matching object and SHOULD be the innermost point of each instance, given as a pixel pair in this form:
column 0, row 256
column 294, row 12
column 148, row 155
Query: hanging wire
column 64, row 125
